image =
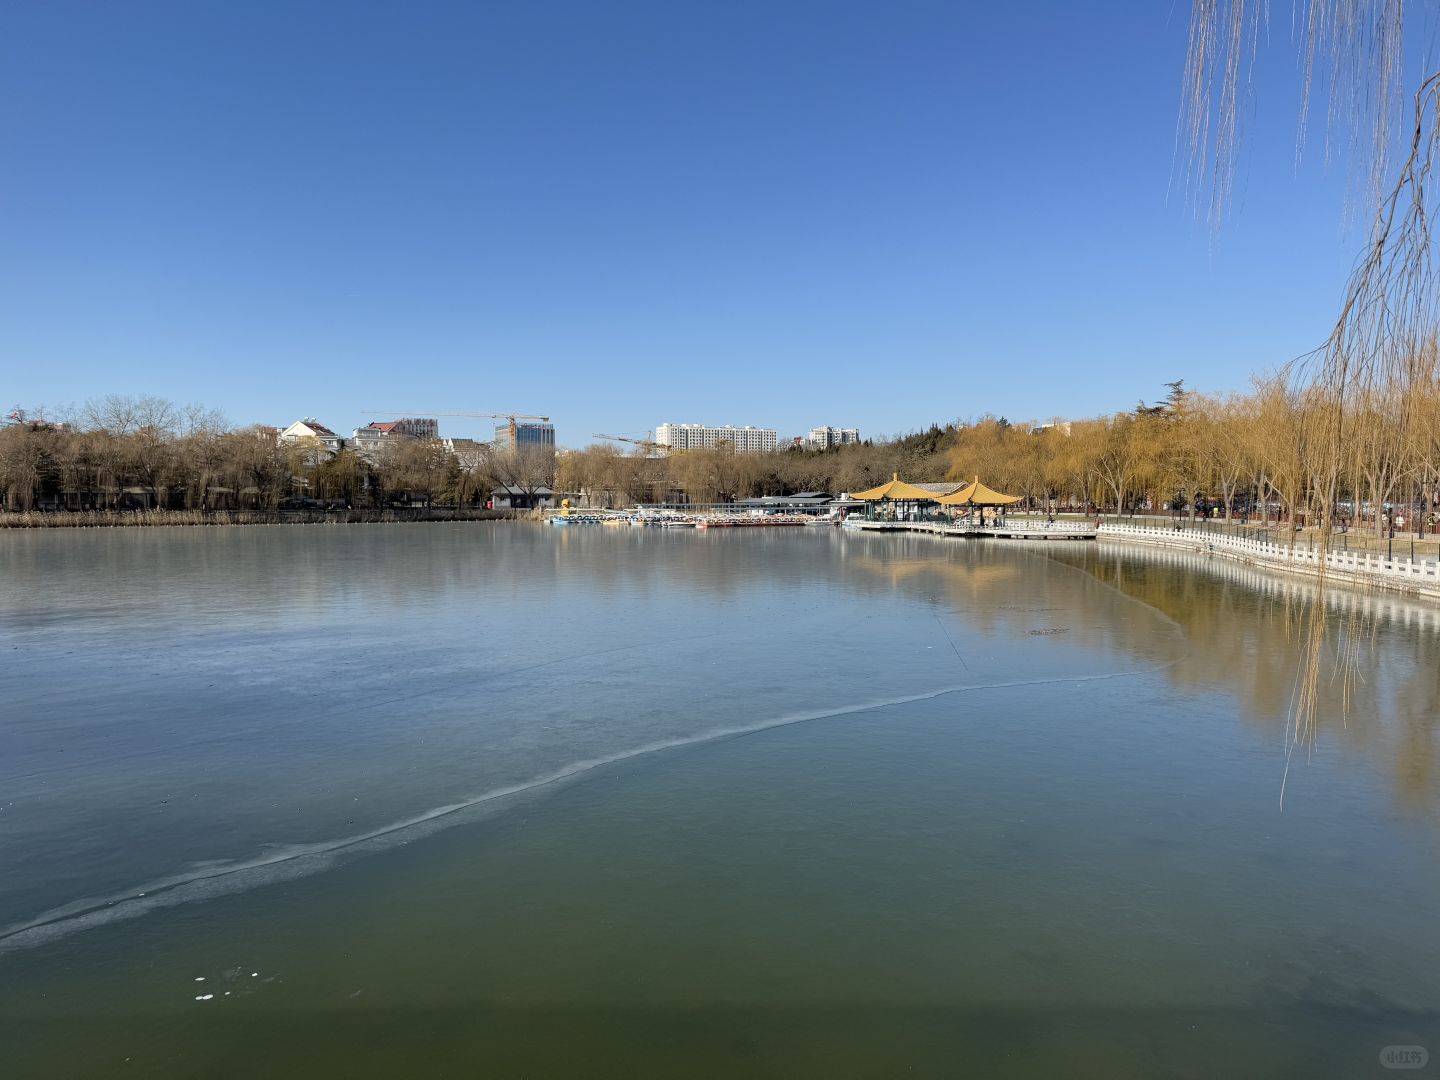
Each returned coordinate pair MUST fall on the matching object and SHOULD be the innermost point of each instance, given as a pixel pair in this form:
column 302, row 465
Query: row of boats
column 663, row 520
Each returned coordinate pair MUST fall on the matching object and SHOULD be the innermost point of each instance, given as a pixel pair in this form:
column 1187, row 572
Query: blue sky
column 781, row 214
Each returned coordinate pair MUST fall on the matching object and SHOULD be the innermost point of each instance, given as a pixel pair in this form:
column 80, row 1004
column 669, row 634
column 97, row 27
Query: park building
column 746, row 440
column 823, row 438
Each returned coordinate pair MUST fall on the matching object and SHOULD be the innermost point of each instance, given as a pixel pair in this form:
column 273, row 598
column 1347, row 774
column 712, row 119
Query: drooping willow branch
column 1353, row 49
column 1382, row 345
column 1381, row 348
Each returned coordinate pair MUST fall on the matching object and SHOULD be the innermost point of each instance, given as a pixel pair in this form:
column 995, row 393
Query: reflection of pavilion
column 972, row 579
column 935, row 508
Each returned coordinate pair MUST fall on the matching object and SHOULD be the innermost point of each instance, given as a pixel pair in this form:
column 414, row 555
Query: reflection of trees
column 1012, row 589
column 1246, row 630
column 1242, row 627
column 1418, row 709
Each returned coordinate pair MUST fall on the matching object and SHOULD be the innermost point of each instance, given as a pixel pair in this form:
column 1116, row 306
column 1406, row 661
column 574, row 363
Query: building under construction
column 517, row 434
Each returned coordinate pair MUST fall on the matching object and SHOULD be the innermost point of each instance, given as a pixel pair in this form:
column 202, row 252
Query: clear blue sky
column 617, row 214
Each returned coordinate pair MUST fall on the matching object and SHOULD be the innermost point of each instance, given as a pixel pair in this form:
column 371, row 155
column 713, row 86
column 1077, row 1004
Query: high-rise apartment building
column 823, row 438
column 746, row 440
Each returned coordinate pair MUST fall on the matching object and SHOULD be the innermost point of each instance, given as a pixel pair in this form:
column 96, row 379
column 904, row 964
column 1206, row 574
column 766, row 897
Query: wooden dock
column 1016, row 528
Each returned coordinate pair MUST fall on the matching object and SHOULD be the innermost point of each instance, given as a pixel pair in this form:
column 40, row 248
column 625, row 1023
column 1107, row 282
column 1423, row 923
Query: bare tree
column 22, row 466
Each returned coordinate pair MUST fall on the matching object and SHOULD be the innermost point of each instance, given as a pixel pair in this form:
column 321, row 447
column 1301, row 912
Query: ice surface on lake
column 193, row 710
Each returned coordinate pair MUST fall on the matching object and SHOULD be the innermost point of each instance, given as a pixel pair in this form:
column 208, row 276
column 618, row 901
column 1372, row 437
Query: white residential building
column 368, row 440
column 823, row 438
column 371, row 439
column 746, row 440
column 311, row 432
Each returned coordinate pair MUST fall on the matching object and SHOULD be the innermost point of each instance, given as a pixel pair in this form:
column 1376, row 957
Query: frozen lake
column 476, row 796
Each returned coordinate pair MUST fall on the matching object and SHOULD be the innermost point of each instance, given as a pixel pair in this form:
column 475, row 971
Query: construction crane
column 663, row 448
column 509, row 418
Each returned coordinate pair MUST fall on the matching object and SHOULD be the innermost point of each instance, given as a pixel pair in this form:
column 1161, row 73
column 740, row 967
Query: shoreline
column 1411, row 576
column 130, row 519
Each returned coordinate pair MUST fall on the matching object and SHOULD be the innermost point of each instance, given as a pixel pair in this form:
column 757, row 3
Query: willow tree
column 1225, row 449
column 1124, row 457
column 1353, row 58
column 23, row 463
column 992, row 449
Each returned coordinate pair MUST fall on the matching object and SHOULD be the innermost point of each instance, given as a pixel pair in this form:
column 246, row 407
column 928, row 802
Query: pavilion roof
column 977, row 494
column 895, row 488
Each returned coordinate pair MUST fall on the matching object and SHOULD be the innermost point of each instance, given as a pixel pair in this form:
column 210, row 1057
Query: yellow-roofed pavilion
column 896, row 490
column 977, row 494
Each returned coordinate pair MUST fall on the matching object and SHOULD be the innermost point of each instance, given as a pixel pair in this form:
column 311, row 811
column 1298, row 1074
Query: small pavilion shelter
column 977, row 496
column 901, row 501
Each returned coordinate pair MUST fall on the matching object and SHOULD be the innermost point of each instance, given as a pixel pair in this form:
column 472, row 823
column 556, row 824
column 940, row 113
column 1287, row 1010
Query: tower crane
column 663, row 448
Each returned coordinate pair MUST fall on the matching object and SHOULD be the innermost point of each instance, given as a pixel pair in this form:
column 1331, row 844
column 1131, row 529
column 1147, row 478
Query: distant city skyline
column 605, row 215
column 366, row 437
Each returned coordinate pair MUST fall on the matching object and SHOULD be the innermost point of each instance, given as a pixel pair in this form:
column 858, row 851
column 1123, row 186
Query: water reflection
column 236, row 696
column 1086, row 857
column 222, row 694
column 1246, row 629
column 1237, row 631
column 1013, row 590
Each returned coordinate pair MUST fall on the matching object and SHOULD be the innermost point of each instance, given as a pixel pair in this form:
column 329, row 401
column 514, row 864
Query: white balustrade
column 1367, row 566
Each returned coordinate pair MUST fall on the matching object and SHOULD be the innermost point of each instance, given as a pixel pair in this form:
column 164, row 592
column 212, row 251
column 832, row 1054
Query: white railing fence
column 1374, row 566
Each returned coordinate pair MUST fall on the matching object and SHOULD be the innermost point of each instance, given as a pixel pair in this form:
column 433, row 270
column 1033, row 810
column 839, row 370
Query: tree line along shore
column 1271, row 455
column 1268, row 455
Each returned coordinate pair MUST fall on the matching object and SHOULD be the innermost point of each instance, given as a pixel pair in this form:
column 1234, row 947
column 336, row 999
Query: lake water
column 507, row 800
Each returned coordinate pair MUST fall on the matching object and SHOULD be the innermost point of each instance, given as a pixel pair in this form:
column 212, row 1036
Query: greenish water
column 824, row 805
